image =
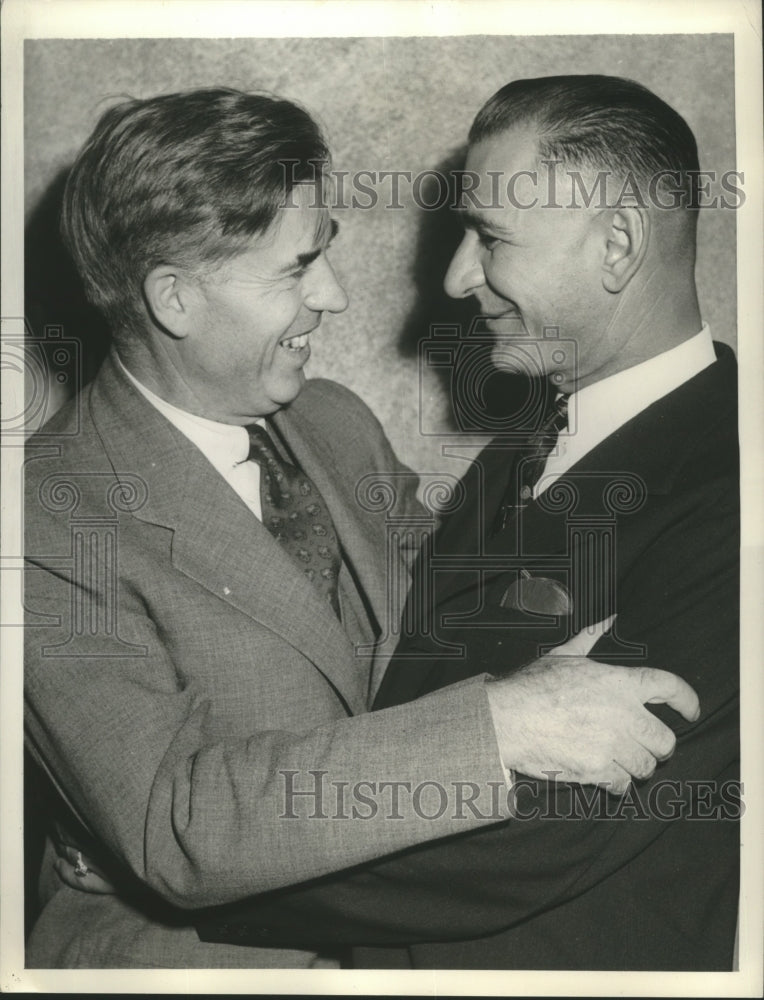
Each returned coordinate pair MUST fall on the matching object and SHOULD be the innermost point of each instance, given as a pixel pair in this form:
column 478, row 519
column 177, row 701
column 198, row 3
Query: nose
column 465, row 272
column 325, row 293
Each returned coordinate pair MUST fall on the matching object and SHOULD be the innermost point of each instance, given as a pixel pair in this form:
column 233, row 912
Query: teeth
column 296, row 343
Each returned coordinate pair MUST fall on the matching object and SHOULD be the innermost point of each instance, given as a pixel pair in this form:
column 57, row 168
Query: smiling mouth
column 296, row 343
column 505, row 320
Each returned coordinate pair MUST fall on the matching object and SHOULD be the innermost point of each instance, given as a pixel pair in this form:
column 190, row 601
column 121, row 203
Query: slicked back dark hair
column 186, row 178
column 601, row 122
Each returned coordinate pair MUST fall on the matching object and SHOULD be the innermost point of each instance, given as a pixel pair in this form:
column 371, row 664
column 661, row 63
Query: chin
column 287, row 390
column 518, row 357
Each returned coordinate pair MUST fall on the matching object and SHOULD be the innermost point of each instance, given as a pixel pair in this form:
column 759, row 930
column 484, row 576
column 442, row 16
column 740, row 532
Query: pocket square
column 538, row 595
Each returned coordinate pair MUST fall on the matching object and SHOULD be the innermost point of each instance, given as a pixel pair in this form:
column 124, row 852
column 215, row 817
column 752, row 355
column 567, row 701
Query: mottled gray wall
column 386, row 103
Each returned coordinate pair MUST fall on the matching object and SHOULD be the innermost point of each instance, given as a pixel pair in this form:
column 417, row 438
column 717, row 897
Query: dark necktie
column 530, row 465
column 296, row 515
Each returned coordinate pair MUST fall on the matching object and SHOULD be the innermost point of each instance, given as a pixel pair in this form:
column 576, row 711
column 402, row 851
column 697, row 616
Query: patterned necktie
column 296, row 515
column 530, row 465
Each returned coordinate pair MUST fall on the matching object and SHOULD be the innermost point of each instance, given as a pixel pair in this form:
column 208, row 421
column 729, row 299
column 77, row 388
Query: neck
column 662, row 315
column 665, row 314
column 153, row 365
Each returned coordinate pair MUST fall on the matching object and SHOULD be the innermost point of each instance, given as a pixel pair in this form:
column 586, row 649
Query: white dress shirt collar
column 228, row 443
column 225, row 446
column 598, row 410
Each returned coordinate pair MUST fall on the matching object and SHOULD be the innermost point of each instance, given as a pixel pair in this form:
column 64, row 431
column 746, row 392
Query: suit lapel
column 640, row 459
column 637, row 460
column 216, row 539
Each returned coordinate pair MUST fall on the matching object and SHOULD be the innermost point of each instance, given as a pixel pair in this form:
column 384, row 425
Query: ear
column 627, row 241
column 169, row 299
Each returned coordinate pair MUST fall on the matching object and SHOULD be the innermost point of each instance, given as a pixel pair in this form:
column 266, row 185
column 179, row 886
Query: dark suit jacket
column 645, row 525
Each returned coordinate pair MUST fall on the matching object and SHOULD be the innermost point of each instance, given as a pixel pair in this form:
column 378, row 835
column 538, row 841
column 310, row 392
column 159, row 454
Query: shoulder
column 342, row 426
column 338, row 422
column 66, row 423
column 710, row 449
column 332, row 396
column 72, row 428
column 330, row 405
column 68, row 439
column 64, row 461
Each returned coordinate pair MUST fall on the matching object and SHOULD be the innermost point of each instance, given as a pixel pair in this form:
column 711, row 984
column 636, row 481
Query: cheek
column 279, row 313
column 515, row 273
column 499, row 276
column 261, row 328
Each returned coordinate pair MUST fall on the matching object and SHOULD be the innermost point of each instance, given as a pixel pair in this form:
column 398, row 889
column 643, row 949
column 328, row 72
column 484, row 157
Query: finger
column 90, row 882
column 65, row 872
column 637, row 761
column 582, row 643
column 615, row 779
column 656, row 737
column 77, row 860
column 67, row 852
column 660, row 686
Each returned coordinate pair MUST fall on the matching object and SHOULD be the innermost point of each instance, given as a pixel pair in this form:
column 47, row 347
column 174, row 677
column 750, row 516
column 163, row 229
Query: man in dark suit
column 630, row 508
column 201, row 580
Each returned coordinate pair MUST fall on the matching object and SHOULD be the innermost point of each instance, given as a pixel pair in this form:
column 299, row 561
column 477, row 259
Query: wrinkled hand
column 564, row 717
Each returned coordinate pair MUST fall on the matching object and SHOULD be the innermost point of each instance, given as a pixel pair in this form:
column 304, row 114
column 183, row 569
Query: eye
column 488, row 242
column 298, row 274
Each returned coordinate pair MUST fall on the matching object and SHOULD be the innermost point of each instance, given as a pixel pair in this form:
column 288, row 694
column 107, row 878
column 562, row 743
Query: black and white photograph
column 382, row 489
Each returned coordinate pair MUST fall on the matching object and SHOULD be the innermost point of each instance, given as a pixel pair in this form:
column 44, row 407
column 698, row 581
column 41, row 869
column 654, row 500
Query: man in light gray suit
column 201, row 576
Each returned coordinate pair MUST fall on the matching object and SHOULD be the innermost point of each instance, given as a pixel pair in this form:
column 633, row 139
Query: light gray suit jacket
column 178, row 662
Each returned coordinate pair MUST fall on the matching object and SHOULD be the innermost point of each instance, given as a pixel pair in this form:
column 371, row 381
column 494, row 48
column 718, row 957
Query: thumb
column 582, row 643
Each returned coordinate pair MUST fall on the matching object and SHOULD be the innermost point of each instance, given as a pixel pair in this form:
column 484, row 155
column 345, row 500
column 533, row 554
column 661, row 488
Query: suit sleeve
column 681, row 600
column 202, row 820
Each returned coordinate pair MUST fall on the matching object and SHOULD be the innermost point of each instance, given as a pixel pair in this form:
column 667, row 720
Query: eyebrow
column 304, row 259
